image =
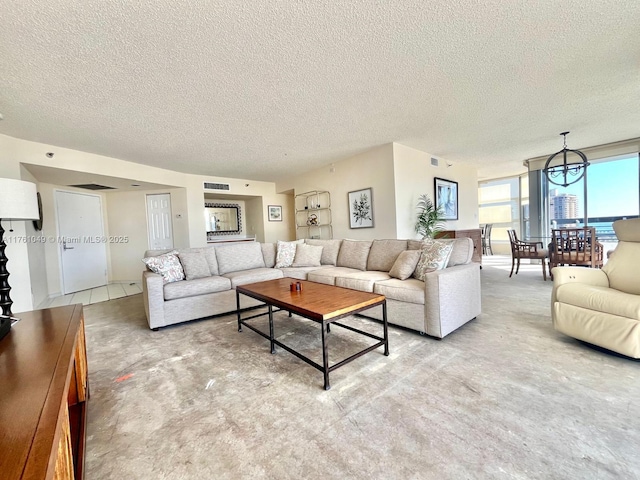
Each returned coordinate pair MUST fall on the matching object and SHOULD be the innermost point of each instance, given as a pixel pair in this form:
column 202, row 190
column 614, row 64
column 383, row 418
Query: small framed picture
column 361, row 208
column 447, row 197
column 275, row 213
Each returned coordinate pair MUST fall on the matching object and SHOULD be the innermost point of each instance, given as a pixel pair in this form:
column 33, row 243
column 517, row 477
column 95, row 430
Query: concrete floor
column 505, row 396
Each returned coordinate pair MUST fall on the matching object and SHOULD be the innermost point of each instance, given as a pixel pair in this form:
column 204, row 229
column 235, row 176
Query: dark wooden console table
column 43, row 395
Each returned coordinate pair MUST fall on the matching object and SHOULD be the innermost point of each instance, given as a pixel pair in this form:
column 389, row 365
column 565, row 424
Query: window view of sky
column 613, row 189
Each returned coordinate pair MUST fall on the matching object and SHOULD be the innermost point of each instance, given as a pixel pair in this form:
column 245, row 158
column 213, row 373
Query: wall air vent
column 92, row 186
column 434, row 162
column 216, row 186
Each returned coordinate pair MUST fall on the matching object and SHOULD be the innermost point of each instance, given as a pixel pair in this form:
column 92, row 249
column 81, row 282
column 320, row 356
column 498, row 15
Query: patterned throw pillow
column 286, row 253
column 405, row 264
column 434, row 255
column 307, row 256
column 168, row 265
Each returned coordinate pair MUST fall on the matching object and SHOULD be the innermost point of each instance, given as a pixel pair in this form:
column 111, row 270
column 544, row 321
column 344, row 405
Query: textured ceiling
column 266, row 88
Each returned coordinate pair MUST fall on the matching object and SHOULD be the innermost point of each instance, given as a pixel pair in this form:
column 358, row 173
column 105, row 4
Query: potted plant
column 430, row 218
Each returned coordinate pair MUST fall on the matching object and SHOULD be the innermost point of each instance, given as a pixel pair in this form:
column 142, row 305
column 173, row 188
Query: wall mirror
column 222, row 218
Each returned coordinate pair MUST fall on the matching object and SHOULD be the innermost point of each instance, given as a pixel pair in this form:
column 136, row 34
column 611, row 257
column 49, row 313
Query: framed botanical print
column 361, row 208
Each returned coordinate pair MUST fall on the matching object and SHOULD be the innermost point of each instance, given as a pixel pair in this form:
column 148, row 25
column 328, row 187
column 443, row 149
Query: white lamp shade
column 18, row 200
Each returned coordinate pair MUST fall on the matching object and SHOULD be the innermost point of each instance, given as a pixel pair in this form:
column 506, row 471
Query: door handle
column 64, row 246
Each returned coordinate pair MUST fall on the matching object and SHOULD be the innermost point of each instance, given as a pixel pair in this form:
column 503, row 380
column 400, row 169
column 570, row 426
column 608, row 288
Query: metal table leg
column 273, row 347
column 386, row 329
column 325, row 356
column 238, row 310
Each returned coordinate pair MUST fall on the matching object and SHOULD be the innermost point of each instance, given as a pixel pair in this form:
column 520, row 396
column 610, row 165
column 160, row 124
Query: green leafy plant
column 430, row 218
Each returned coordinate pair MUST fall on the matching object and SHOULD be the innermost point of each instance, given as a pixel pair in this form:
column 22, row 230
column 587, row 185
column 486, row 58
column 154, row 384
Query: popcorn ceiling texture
column 266, row 88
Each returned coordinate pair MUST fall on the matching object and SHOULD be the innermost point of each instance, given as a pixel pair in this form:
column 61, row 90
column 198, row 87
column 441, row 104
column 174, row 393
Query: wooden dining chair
column 575, row 246
column 528, row 250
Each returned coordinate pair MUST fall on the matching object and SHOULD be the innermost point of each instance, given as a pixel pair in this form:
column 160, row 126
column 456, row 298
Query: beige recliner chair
column 602, row 307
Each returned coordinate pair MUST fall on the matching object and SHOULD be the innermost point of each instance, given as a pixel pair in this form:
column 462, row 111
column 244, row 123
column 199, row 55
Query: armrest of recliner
column 588, row 276
column 153, row 298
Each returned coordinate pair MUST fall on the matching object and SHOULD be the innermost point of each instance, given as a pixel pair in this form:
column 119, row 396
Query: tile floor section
column 94, row 295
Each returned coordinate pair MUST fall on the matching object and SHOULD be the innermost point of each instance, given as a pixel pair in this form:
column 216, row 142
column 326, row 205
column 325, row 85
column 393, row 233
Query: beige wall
column 127, row 217
column 414, row 176
column 374, row 169
column 36, row 254
column 189, row 198
column 284, row 230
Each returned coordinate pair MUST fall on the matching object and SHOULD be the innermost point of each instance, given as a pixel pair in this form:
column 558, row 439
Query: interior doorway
column 81, row 241
column 159, row 221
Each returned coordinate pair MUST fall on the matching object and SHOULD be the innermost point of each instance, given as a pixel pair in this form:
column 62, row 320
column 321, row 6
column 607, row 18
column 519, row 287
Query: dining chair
column 528, row 250
column 575, row 246
column 486, row 239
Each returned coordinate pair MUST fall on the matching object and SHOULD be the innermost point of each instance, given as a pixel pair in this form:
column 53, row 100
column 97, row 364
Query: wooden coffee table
column 321, row 303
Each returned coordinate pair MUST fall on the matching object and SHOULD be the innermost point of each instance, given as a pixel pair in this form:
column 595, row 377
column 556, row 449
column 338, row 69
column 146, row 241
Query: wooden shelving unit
column 313, row 215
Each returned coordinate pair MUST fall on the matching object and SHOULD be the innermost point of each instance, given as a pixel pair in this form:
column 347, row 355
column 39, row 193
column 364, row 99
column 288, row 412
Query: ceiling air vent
column 92, row 186
column 216, row 186
column 434, row 162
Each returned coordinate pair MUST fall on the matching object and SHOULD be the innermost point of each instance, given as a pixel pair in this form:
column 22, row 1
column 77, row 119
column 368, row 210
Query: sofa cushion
column 253, row 275
column 307, row 255
column 383, row 254
column 192, row 288
column 354, row 253
column 600, row 299
column 410, row 290
column 300, row 273
column 194, row 265
column 240, row 256
column 362, row 281
column 405, row 264
column 286, row 252
column 330, row 249
column 269, row 254
column 433, row 256
column 461, row 252
column 623, row 266
column 328, row 275
column 212, row 261
column 168, row 265
column 414, row 244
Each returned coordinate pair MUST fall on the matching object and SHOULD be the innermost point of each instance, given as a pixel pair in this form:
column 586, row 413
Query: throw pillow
column 194, row 265
column 405, row 264
column 329, row 251
column 212, row 261
column 434, row 255
column 166, row 265
column 354, row 254
column 307, row 256
column 286, row 253
column 384, row 253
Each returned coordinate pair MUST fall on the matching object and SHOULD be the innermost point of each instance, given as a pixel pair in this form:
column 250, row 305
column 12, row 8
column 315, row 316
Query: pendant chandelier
column 571, row 170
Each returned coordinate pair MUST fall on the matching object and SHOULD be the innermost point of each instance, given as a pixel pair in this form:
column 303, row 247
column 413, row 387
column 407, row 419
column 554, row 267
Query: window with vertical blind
column 504, row 202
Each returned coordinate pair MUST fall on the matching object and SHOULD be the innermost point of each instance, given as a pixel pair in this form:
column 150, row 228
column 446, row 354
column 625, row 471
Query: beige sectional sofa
column 445, row 300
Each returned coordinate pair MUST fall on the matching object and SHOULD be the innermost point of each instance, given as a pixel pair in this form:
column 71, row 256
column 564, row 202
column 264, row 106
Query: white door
column 83, row 248
column 159, row 221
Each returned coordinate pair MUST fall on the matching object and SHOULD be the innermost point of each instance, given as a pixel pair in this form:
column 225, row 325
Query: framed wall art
column 447, row 197
column 361, row 208
column 275, row 213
